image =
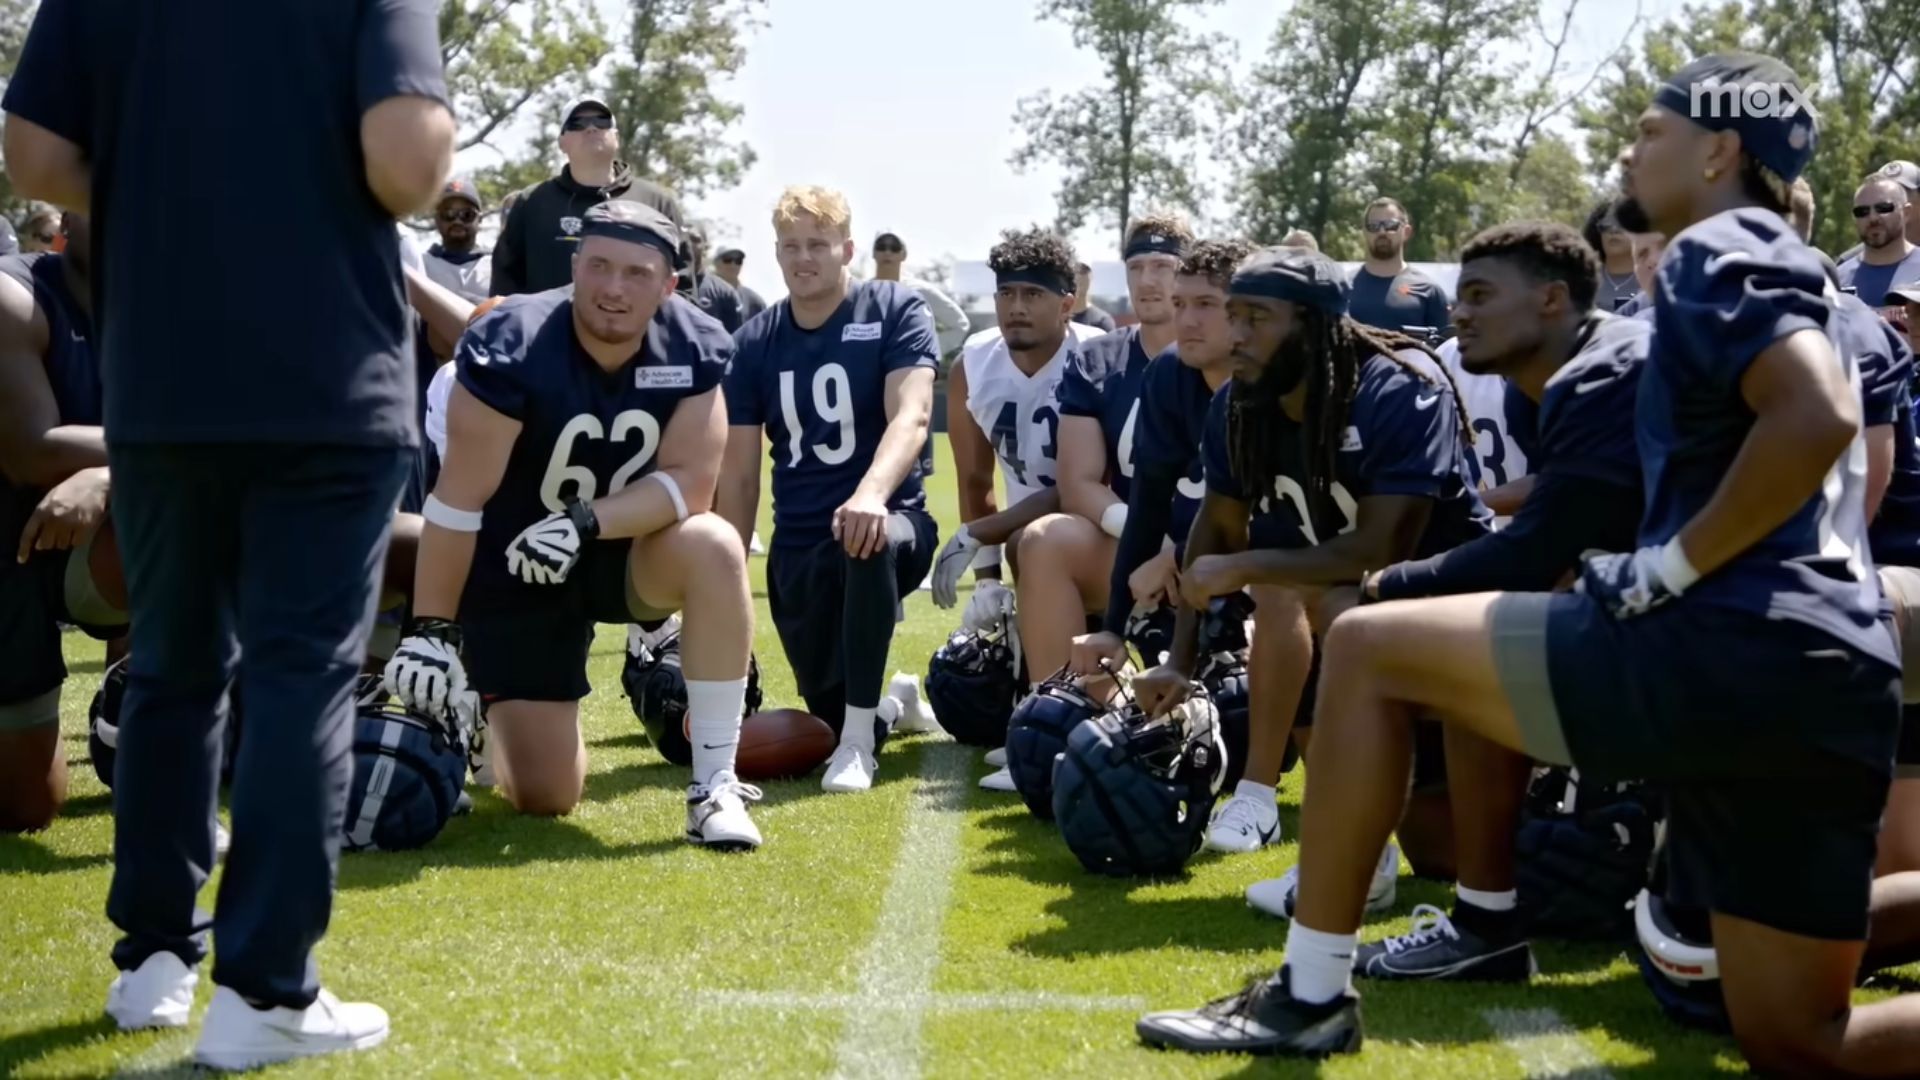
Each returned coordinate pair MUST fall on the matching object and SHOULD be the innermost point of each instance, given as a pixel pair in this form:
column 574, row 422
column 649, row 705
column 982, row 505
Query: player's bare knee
column 544, row 796
column 1774, row 1049
column 1044, row 542
column 709, row 543
column 29, row 808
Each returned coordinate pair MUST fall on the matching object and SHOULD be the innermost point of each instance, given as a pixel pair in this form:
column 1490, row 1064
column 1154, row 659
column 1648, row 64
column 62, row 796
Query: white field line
column 1545, row 1045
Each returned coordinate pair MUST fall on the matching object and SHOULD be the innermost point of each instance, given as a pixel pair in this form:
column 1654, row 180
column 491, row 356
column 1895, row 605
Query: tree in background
column 1130, row 142
column 15, row 17
column 666, row 88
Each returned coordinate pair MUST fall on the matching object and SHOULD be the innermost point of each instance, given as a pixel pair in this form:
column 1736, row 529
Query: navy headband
column 634, row 223
column 1045, row 277
column 1151, row 242
column 1294, row 275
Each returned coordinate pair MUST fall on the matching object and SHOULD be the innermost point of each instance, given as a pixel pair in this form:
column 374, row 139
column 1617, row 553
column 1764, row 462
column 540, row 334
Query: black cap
column 1755, row 96
column 583, row 103
column 636, row 223
column 895, row 237
column 461, row 187
column 1295, row 274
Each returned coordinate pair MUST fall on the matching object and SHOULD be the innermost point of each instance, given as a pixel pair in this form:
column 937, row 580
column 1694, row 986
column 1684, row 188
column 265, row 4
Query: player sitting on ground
column 839, row 376
column 1737, row 654
column 584, row 436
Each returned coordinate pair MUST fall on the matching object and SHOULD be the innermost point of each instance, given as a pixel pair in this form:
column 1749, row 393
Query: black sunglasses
column 1877, row 208
column 464, row 216
column 888, row 249
column 596, row 121
column 1389, row 225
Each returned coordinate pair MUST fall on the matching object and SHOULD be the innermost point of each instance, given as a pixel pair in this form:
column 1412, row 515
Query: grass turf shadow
column 27, row 855
column 27, row 1047
column 493, row 837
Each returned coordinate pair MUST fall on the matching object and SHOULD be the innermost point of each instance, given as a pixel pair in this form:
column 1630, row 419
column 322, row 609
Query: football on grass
column 782, row 743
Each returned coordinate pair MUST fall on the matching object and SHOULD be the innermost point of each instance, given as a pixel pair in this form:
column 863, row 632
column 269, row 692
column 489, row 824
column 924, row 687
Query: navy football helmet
column 409, row 772
column 658, row 690
column 103, row 725
column 973, row 682
column 1678, row 962
column 1132, row 794
column 1585, row 849
column 1038, row 732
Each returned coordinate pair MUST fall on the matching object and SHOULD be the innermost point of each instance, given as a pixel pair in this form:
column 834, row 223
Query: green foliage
column 667, row 88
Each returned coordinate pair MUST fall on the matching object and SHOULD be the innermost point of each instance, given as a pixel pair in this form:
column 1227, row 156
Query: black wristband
column 437, row 629
column 585, row 521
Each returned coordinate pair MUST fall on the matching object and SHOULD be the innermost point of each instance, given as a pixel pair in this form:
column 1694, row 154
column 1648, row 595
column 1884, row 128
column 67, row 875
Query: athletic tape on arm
column 447, row 517
column 673, row 492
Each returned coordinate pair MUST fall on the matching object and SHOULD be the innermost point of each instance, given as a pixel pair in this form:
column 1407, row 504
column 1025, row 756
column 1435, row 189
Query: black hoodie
column 542, row 230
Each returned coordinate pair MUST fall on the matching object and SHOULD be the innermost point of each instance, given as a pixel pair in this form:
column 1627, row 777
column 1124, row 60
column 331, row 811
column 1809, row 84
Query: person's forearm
column 58, row 454
column 976, row 496
column 646, row 506
column 1782, row 464
column 1149, row 508
column 1339, row 561
column 999, row 528
column 1567, row 516
column 1879, row 466
column 898, row 453
column 440, row 572
column 737, row 501
column 446, row 312
column 1507, row 499
column 1087, row 498
column 1205, row 538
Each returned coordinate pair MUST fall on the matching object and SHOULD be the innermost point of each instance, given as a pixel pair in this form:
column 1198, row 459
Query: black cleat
column 1265, row 1018
column 1437, row 949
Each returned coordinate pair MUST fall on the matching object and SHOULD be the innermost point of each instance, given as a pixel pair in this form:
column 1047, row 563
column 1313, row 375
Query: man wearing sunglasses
column 1386, row 291
column 542, row 228
column 726, row 266
column 1887, row 258
column 457, row 262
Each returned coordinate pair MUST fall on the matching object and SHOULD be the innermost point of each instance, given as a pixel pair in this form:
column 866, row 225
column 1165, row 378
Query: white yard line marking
column 793, row 1001
column 1545, row 1045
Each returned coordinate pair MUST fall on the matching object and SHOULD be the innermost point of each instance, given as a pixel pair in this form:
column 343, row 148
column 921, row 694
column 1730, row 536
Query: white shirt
column 1485, row 398
column 1019, row 413
column 471, row 280
column 438, row 393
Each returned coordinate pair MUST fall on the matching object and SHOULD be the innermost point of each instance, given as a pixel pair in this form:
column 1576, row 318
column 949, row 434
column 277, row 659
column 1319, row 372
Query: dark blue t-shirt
column 194, row 113
column 1102, row 382
column 1402, row 438
column 821, row 395
column 1167, row 436
column 1409, row 298
column 1870, row 283
column 585, row 432
column 1730, row 286
column 72, row 371
column 1886, row 393
column 1586, row 415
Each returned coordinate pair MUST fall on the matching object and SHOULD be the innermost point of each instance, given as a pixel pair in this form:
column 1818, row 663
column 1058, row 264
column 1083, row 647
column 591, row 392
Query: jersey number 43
column 1005, row 437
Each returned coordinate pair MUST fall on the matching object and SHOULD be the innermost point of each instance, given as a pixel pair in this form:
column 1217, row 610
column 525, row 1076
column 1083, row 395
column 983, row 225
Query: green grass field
column 928, row 928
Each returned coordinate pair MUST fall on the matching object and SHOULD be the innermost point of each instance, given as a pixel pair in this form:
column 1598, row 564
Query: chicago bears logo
column 570, row 226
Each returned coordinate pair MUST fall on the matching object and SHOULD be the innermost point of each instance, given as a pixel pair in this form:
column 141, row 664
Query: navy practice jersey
column 1886, row 389
column 1402, row 438
column 1102, row 382
column 1586, row 415
column 585, row 432
column 71, row 369
column 821, row 394
column 1167, row 435
column 1728, row 287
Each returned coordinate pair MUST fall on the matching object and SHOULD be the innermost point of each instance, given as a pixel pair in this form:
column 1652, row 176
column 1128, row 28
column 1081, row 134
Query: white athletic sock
column 1488, row 901
column 1259, row 793
column 858, row 728
column 1321, row 964
column 713, row 724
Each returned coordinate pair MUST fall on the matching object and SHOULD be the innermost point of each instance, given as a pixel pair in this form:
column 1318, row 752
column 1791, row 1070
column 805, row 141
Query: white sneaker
column 851, row 768
column 157, row 994
column 755, row 547
column 235, row 1036
column 1245, row 824
column 1275, row 896
column 222, row 840
column 916, row 716
column 717, row 814
column 996, row 758
column 999, row 780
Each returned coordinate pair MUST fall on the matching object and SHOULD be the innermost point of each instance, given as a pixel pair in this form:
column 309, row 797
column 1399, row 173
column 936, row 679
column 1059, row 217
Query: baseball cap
column 1781, row 139
column 461, row 187
column 886, row 236
column 1906, row 294
column 584, row 103
column 731, row 254
column 1904, row 173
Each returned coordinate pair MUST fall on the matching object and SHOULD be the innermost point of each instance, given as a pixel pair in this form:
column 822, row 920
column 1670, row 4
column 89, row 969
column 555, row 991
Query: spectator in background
column 714, row 295
column 1300, row 238
column 1647, row 249
column 727, row 265
column 457, row 263
column 1907, row 175
column 1085, row 311
column 1887, row 258
column 542, row 226
column 949, row 322
column 1618, row 283
column 1908, row 297
column 1387, row 292
column 1800, row 209
column 41, row 229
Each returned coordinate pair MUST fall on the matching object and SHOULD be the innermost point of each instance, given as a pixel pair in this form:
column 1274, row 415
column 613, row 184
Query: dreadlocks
column 1333, row 348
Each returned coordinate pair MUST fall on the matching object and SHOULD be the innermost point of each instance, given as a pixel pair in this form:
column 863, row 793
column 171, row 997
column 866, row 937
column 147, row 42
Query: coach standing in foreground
column 254, row 470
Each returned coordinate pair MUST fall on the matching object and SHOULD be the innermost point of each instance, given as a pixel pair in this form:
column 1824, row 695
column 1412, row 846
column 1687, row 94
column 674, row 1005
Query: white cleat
column 1244, row 825
column 999, row 780
column 915, row 715
column 996, row 758
column 235, row 1036
column 754, row 546
column 222, row 841
column 849, row 769
column 157, row 994
column 1275, row 896
column 717, row 814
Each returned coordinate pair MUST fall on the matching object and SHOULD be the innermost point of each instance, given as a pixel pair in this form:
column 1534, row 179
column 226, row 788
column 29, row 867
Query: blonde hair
column 823, row 203
column 1300, row 238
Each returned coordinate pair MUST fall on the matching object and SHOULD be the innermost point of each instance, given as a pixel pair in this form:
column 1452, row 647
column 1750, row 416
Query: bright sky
column 907, row 106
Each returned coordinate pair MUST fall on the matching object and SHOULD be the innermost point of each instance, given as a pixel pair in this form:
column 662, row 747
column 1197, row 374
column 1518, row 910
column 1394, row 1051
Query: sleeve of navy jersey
column 1587, row 414
column 1730, row 286
column 1079, row 391
column 913, row 342
column 1886, row 363
column 1173, row 414
column 744, row 378
column 1219, row 463
column 491, row 358
column 1409, row 433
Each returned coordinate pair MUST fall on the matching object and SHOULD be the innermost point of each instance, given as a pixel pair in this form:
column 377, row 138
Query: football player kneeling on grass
column 584, row 436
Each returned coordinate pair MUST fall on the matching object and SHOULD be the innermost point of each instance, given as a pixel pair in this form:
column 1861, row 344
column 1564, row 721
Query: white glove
column 545, row 551
column 991, row 603
column 952, row 562
column 425, row 672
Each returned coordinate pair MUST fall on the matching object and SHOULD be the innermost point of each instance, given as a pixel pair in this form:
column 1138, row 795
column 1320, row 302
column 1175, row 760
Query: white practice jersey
column 1019, row 413
column 1496, row 451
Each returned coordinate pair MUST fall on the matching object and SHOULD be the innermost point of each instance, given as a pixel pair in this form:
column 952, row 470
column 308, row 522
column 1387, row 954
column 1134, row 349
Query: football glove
column 545, row 551
column 991, row 603
column 1634, row 583
column 425, row 672
column 953, row 560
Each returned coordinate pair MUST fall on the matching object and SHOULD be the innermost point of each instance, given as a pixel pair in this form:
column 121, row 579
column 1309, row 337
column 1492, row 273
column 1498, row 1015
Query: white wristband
column 1678, row 574
column 449, row 518
column 987, row 558
column 1113, row 520
column 673, row 492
